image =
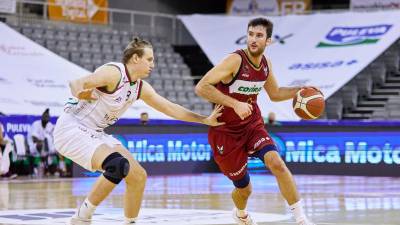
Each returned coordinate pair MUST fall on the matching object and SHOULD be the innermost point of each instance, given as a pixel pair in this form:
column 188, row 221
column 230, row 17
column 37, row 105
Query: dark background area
column 190, row 7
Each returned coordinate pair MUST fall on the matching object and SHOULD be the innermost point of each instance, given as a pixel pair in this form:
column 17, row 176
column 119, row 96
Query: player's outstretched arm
column 224, row 72
column 156, row 101
column 275, row 92
column 106, row 76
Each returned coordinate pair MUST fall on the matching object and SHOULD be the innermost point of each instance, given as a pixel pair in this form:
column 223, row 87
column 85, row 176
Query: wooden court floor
column 205, row 199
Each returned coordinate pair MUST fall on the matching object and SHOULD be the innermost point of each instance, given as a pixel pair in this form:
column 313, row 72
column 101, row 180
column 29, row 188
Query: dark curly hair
column 260, row 21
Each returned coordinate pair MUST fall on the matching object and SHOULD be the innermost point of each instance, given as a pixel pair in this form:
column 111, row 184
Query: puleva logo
column 349, row 36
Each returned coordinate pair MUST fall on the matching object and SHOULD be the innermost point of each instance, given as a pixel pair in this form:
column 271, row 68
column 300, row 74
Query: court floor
column 205, row 200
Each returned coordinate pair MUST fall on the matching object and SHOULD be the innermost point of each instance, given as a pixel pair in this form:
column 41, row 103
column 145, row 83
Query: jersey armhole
column 234, row 77
column 139, row 89
column 267, row 65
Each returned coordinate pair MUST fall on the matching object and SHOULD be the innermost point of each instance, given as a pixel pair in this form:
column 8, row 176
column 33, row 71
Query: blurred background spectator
column 271, row 120
column 44, row 158
column 7, row 168
column 144, row 118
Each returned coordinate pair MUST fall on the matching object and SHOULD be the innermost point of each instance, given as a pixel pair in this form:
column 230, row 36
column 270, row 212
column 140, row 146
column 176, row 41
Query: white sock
column 86, row 210
column 130, row 220
column 62, row 166
column 241, row 213
column 298, row 211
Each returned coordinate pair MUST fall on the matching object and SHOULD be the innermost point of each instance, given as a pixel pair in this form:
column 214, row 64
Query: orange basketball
column 308, row 103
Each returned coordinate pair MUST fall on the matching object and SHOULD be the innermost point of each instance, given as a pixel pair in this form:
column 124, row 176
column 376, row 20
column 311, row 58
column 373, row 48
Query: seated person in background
column 7, row 167
column 41, row 146
column 144, row 118
column 271, row 120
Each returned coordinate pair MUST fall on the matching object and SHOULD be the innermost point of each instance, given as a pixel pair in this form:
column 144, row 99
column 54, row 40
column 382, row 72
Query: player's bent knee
column 245, row 192
column 116, row 167
column 136, row 176
column 242, row 182
column 277, row 166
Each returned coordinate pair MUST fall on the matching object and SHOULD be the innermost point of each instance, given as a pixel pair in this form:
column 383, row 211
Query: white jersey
column 108, row 107
column 41, row 133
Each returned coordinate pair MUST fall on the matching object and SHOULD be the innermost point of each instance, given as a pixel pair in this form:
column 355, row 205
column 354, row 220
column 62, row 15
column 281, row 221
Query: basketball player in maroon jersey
column 235, row 83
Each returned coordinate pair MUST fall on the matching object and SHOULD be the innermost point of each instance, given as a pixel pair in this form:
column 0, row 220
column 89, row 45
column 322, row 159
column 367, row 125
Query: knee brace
column 264, row 150
column 243, row 182
column 115, row 167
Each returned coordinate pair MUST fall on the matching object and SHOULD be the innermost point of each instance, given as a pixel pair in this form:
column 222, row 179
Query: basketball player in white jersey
column 100, row 99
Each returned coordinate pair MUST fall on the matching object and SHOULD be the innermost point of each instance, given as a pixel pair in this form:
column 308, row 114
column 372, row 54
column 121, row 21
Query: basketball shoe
column 83, row 216
column 76, row 220
column 243, row 221
column 305, row 222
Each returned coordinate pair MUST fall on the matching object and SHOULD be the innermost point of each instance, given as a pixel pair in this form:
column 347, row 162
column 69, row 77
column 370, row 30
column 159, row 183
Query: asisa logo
column 349, row 36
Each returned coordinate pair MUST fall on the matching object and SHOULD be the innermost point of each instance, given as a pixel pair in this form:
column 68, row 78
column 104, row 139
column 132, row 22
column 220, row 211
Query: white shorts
column 78, row 142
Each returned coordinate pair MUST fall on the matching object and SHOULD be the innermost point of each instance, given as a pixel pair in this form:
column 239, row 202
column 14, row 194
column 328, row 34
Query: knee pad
column 243, row 182
column 264, row 150
column 116, row 167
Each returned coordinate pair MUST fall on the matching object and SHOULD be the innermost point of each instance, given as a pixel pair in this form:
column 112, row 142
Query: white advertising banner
column 33, row 78
column 323, row 50
column 374, row 4
column 8, row 6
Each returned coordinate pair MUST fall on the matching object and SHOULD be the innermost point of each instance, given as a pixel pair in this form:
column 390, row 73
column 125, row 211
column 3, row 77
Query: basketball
column 308, row 103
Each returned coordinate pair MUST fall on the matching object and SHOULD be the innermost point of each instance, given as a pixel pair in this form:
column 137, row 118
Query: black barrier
column 353, row 148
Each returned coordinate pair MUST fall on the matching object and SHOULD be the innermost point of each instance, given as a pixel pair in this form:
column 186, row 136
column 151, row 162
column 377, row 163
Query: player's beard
column 257, row 53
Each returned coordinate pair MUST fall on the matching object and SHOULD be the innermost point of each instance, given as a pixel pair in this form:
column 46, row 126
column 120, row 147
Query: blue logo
column 342, row 147
column 322, row 65
column 168, row 147
column 349, row 36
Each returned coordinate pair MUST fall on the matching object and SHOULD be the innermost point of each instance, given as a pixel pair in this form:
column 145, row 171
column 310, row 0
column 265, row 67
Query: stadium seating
column 93, row 45
column 373, row 94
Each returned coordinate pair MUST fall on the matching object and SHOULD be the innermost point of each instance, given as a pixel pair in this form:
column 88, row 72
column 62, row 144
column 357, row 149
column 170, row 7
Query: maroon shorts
column 231, row 152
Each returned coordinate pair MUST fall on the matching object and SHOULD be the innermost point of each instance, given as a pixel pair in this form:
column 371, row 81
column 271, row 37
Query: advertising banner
column 374, row 4
column 267, row 7
column 373, row 150
column 83, row 11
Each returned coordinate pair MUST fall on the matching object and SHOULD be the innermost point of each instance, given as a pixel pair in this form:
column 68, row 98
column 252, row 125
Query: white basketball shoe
column 242, row 221
column 306, row 222
column 75, row 220
column 83, row 215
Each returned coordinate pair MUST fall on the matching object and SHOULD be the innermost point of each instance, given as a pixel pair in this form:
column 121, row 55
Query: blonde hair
column 136, row 46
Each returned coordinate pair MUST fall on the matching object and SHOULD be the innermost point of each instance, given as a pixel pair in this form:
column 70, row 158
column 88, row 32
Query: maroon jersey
column 244, row 87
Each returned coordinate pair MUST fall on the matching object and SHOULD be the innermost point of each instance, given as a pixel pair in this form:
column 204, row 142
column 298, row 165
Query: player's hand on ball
column 212, row 119
column 243, row 109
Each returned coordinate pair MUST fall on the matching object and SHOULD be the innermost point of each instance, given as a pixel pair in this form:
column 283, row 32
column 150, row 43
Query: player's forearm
column 285, row 93
column 81, row 84
column 76, row 86
column 180, row 113
column 212, row 94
